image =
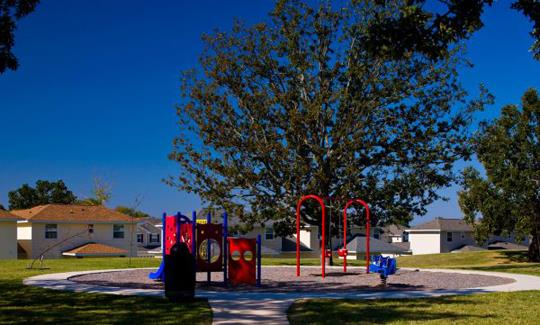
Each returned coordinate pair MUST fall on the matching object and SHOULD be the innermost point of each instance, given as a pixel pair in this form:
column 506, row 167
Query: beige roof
column 444, row 225
column 95, row 249
column 5, row 215
column 72, row 213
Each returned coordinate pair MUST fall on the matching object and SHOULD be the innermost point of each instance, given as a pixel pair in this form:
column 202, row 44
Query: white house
column 149, row 233
column 56, row 230
column 440, row 236
column 8, row 235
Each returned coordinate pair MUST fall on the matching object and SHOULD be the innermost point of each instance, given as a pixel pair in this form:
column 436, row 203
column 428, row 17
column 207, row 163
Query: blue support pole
column 259, row 260
column 163, row 242
column 208, row 274
column 225, row 247
column 193, row 237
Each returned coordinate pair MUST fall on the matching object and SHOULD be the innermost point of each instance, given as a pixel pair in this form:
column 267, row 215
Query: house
column 148, row 233
column 440, row 235
column 392, row 234
column 56, row 230
column 356, row 248
column 8, row 235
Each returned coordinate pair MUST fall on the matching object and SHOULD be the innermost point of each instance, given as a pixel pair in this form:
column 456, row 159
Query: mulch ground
column 284, row 279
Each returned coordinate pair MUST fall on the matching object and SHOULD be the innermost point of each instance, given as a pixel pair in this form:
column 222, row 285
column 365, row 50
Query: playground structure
column 212, row 250
column 342, row 252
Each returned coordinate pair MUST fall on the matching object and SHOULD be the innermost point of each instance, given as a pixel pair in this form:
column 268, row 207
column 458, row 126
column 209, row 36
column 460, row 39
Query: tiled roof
column 5, row 215
column 444, row 225
column 95, row 249
column 72, row 213
column 405, row 245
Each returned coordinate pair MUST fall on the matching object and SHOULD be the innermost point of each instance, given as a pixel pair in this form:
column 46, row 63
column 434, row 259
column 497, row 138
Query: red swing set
column 342, row 252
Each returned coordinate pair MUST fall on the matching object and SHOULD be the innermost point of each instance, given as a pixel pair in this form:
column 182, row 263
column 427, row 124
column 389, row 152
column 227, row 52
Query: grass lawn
column 493, row 308
column 23, row 304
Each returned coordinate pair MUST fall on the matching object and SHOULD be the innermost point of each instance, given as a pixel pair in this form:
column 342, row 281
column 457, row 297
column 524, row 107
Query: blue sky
column 95, row 93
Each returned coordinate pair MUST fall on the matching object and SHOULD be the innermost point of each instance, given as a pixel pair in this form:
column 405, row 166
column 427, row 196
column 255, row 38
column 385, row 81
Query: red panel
column 186, row 235
column 170, row 233
column 241, row 270
column 214, row 233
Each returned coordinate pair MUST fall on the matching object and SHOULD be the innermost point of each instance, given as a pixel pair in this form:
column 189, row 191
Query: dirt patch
column 284, row 279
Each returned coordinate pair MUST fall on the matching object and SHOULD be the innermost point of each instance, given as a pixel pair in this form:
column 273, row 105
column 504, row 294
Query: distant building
column 8, row 235
column 56, row 230
column 440, row 236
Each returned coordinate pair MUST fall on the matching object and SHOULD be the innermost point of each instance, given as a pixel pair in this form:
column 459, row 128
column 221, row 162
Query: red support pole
column 323, row 250
column 368, row 222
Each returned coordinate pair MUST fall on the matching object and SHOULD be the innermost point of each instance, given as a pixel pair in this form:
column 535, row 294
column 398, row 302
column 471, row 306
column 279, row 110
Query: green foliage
column 432, row 27
column 101, row 193
column 300, row 104
column 508, row 200
column 11, row 11
column 45, row 192
column 132, row 212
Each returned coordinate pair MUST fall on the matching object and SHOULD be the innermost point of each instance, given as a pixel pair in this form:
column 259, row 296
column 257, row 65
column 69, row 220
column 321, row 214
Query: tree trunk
column 534, row 247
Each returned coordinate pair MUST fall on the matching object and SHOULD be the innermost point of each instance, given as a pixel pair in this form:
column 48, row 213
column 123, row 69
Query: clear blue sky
column 95, row 93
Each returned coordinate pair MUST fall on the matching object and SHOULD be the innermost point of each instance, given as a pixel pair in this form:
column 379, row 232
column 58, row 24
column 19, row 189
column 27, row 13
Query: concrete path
column 237, row 307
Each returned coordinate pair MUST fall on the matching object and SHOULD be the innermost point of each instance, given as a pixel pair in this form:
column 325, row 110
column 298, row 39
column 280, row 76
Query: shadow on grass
column 513, row 256
column 22, row 304
column 325, row 311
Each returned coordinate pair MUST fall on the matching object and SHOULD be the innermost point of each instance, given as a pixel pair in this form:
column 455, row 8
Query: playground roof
column 443, row 224
column 358, row 245
column 6, row 216
column 95, row 249
column 71, row 213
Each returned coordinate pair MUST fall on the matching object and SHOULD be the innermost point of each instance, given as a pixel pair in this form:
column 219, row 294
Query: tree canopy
column 10, row 12
column 44, row 192
column 302, row 104
column 507, row 200
column 431, row 27
column 132, row 212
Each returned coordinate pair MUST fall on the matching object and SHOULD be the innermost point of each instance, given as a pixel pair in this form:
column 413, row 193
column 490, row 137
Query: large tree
column 10, row 12
column 300, row 105
column 44, row 192
column 507, row 200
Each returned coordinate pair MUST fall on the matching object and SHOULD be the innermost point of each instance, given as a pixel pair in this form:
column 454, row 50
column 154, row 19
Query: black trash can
column 180, row 273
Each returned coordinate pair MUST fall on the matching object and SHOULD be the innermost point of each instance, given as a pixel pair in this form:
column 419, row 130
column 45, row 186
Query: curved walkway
column 271, row 308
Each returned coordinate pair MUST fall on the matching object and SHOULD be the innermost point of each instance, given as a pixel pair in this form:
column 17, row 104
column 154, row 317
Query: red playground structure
column 238, row 258
column 342, row 252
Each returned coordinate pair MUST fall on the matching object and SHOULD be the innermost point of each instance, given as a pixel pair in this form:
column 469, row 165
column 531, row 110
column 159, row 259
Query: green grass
column 493, row 308
column 23, row 304
column 497, row 261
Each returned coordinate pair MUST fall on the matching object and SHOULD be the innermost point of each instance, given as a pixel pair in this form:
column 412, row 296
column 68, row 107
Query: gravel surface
column 283, row 279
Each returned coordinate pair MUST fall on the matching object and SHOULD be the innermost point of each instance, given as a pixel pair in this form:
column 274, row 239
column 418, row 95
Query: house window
column 118, row 231
column 140, row 238
column 51, row 231
column 269, row 233
column 448, row 236
column 154, row 238
column 462, row 235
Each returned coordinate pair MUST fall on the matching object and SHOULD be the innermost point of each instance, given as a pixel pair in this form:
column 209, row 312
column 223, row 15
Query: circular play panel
column 284, row 279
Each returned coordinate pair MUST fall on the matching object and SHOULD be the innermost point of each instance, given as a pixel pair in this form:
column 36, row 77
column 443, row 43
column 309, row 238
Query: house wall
column 425, row 242
column 8, row 239
column 103, row 234
column 458, row 239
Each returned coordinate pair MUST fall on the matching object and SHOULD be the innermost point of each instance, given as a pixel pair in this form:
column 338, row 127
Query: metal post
column 225, row 247
column 193, row 237
column 164, row 243
column 208, row 222
column 259, row 260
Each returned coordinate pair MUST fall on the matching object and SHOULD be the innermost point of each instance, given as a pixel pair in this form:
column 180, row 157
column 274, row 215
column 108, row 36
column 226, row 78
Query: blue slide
column 158, row 275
